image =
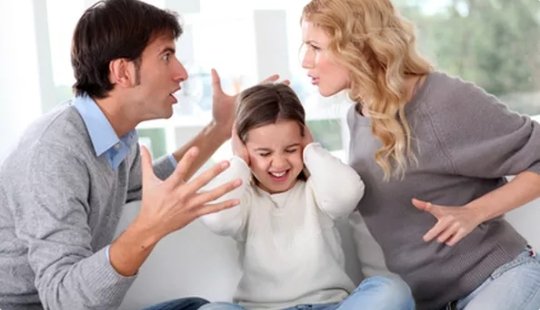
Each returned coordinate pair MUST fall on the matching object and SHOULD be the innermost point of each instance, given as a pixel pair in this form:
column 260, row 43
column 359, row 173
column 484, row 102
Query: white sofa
column 195, row 262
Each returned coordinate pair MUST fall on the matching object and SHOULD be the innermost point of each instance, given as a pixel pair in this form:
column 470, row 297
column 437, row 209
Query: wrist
column 143, row 232
column 478, row 213
column 222, row 132
column 129, row 251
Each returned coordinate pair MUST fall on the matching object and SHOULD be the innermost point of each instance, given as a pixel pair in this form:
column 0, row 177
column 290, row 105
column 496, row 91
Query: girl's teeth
column 276, row 174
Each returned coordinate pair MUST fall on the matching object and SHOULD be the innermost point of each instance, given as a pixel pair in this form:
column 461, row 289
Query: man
column 62, row 189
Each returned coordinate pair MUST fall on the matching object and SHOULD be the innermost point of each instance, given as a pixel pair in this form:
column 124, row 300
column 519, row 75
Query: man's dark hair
column 113, row 29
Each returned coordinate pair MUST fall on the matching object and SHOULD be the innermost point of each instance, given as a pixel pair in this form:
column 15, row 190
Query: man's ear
column 122, row 72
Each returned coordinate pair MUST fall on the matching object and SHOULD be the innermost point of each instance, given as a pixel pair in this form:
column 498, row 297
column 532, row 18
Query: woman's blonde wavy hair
column 377, row 46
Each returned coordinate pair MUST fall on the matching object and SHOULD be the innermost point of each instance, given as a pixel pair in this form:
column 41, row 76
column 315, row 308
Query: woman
column 433, row 151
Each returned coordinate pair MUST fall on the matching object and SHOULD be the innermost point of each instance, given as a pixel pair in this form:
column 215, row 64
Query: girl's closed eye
column 292, row 150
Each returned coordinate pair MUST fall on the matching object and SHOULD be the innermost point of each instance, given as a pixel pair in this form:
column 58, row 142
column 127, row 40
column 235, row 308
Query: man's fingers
column 270, row 79
column 220, row 190
column 216, row 207
column 182, row 168
column 146, row 163
column 211, row 195
column 216, row 81
column 196, row 183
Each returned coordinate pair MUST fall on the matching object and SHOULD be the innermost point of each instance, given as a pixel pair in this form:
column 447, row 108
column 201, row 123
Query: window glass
column 495, row 44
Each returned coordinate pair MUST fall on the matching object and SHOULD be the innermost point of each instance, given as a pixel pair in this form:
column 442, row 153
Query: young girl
column 292, row 192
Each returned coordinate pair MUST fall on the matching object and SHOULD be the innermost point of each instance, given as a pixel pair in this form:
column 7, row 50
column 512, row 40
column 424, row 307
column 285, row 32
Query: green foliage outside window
column 494, row 43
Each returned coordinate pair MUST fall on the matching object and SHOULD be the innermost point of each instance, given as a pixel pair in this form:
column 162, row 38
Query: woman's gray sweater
column 465, row 142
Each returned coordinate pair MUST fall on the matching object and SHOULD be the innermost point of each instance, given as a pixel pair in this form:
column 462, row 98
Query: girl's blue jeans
column 378, row 292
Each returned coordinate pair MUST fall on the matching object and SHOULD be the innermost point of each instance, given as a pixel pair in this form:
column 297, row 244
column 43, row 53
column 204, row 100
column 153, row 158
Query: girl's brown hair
column 266, row 104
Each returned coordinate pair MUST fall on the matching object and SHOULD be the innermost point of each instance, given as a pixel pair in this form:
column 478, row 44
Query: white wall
column 526, row 221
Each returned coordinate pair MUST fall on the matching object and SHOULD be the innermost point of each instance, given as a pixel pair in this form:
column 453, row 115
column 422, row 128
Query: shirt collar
column 102, row 135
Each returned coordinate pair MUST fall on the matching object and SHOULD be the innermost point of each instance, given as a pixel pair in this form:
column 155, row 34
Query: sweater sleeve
column 51, row 211
column 336, row 186
column 135, row 180
column 481, row 136
column 163, row 167
column 232, row 221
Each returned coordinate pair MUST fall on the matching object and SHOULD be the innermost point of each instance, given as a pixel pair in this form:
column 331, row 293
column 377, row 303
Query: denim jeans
column 191, row 303
column 379, row 292
column 514, row 285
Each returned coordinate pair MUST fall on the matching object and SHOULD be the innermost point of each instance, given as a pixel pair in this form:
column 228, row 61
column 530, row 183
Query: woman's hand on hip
column 453, row 222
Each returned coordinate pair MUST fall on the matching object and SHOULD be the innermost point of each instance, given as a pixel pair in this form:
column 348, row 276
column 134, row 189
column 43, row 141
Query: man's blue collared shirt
column 104, row 139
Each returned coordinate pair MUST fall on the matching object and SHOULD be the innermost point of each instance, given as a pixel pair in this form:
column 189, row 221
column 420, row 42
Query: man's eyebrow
column 168, row 49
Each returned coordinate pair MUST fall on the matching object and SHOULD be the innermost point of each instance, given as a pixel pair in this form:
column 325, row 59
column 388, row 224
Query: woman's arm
column 454, row 223
column 483, row 140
